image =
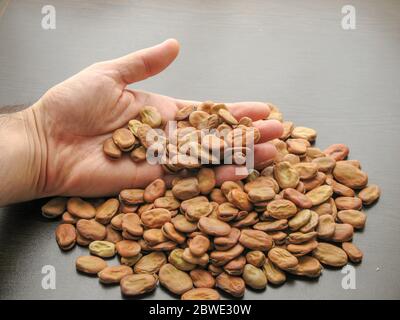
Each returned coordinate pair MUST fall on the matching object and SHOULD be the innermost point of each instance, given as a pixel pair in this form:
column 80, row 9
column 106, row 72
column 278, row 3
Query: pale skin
column 54, row 147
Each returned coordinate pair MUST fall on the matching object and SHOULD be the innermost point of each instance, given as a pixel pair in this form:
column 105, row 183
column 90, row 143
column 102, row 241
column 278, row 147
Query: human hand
column 73, row 119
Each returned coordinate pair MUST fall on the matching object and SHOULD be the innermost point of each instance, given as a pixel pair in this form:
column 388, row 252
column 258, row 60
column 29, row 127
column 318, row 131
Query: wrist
column 23, row 160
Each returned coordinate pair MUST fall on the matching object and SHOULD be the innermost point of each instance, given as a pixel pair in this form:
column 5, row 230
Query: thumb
column 147, row 62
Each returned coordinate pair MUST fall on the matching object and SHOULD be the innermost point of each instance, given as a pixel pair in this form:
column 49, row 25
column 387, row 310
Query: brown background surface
column 345, row 84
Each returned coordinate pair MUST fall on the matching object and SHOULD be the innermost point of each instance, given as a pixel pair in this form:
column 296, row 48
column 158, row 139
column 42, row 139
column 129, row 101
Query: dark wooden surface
column 345, row 84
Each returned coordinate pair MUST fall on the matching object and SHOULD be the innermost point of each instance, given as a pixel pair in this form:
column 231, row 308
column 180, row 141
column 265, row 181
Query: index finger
column 254, row 110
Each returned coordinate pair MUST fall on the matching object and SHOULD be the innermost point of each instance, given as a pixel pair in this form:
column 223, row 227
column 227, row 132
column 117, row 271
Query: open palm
column 77, row 115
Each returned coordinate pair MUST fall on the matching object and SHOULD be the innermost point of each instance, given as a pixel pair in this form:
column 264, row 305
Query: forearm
column 22, row 164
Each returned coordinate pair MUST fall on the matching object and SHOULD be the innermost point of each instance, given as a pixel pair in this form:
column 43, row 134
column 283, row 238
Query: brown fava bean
column 287, row 129
column 298, row 198
column 233, row 285
column 330, row 255
column 113, row 235
column 82, row 241
column 184, row 113
column 353, row 217
column 217, row 196
column 167, row 202
column 154, row 237
column 369, row 194
column 297, row 146
column 314, row 153
column 261, row 182
column 90, row 264
column 202, row 278
column 320, row 194
column 282, row 258
column 171, row 233
column 116, row 222
column 255, row 240
column 354, row 253
column 91, row 229
column 190, row 258
column 339, row 189
column 124, row 139
column 300, row 237
column 176, row 259
column 304, row 133
column 348, row 203
column 350, row 175
column 127, row 248
column 227, row 211
column 327, row 207
column 131, row 196
column 186, row 188
column 311, row 224
column 150, row 263
column 154, row 190
column 80, row 208
column 155, row 218
column 286, row 175
column 274, row 274
column 246, row 220
column 308, row 266
column 175, row 280
column 106, row 211
column 199, row 245
column 302, row 248
column 228, row 241
column 227, row 117
column 114, row 274
column 239, row 199
column 324, row 164
column 54, row 207
column 235, row 266
column 254, row 277
column 111, row 149
column 138, row 284
column 66, row 236
column 261, row 194
column 326, row 226
column 306, row 170
column 343, row 232
column 131, row 223
column 182, row 224
column 196, row 208
column 220, row 258
column 337, row 151
column 138, row 154
column 201, row 294
column 274, row 225
column 281, row 209
column 318, row 180
column 256, row 258
column 68, row 218
column 207, row 180
column 214, row 227
column 131, row 261
column 151, row 116
column 300, row 219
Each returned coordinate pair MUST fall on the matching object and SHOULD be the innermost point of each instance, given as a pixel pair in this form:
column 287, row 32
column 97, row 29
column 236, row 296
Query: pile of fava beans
column 297, row 214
